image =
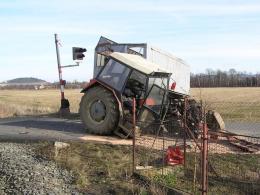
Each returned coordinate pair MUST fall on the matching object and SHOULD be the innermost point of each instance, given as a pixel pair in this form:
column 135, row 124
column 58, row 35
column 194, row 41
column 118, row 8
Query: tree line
column 230, row 78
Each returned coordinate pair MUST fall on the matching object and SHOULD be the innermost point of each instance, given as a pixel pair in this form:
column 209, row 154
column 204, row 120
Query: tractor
column 123, row 74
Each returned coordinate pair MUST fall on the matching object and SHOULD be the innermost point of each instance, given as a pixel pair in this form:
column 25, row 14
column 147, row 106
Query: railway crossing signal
column 78, row 53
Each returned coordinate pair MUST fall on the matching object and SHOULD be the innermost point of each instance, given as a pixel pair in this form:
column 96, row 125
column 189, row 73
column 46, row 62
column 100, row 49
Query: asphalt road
column 58, row 129
column 244, row 128
column 50, row 128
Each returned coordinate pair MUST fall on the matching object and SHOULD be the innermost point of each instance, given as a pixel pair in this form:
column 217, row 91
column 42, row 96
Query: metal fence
column 222, row 161
column 166, row 155
column 233, row 152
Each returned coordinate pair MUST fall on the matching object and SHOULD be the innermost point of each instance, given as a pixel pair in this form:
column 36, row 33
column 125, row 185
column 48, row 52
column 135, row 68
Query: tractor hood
column 137, row 62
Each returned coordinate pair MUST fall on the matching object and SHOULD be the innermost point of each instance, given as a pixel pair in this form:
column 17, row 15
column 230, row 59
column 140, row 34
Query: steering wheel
column 133, row 83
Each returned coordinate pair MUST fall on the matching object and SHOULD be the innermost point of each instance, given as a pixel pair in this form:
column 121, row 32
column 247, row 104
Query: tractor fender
column 93, row 82
column 89, row 85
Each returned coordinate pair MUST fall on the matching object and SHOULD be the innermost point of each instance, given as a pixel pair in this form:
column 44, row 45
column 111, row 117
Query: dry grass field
column 225, row 95
column 35, row 102
column 238, row 103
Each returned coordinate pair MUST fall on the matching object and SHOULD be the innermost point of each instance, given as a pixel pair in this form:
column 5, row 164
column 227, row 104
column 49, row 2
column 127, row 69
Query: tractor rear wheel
column 99, row 111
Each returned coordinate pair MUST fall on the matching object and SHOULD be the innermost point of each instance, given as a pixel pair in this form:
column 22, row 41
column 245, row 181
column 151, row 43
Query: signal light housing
column 77, row 53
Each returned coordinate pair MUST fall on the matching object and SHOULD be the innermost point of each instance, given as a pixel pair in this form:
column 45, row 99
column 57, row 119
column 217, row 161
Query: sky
column 205, row 33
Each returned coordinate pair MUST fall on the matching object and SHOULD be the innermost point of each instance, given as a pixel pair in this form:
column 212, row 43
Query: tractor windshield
column 161, row 82
column 114, row 74
column 156, row 92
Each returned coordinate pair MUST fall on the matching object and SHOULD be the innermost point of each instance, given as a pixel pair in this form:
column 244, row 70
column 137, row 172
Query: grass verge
column 236, row 174
column 98, row 168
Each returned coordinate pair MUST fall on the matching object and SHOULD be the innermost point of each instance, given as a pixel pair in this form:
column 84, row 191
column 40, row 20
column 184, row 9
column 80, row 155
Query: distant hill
column 25, row 80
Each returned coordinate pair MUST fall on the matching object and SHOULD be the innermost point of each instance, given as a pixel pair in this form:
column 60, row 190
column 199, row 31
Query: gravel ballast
column 22, row 172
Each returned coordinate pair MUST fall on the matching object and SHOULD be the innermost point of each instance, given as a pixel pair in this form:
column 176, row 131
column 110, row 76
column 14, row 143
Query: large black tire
column 104, row 124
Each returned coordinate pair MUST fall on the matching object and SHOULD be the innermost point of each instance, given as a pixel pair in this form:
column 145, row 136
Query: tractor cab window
column 161, row 82
column 135, row 85
column 114, row 74
column 156, row 91
column 154, row 99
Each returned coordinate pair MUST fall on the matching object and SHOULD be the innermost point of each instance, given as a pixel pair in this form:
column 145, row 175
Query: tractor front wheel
column 99, row 111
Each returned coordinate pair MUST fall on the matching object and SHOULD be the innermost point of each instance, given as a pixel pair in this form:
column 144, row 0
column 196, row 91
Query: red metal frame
column 174, row 156
column 134, row 129
column 204, row 165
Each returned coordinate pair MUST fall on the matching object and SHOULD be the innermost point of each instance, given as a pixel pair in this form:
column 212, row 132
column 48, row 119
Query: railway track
column 244, row 145
column 249, row 144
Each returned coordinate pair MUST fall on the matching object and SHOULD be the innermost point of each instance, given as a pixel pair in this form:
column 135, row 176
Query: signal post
column 78, row 54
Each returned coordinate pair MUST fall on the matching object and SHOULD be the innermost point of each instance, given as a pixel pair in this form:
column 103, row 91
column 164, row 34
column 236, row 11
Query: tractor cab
column 131, row 76
column 107, row 104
